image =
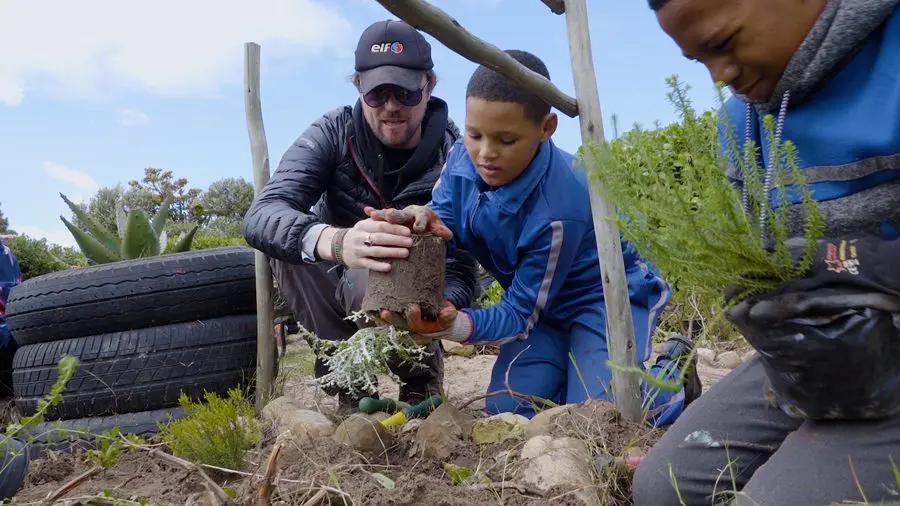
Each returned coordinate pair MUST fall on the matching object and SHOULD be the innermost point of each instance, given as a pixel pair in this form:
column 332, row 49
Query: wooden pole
column 259, row 150
column 620, row 326
column 449, row 32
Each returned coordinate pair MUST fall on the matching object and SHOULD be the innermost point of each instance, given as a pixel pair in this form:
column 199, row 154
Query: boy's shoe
column 678, row 349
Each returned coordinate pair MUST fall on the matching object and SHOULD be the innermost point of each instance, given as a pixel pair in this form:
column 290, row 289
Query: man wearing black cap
column 386, row 151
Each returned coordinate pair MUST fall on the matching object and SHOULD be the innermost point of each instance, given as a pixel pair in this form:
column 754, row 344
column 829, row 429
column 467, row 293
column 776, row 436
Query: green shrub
column 216, row 433
column 36, row 257
column 678, row 208
column 205, row 240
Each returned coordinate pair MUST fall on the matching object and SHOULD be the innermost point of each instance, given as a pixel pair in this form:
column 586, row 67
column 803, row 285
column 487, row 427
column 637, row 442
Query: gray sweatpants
column 321, row 296
column 730, row 440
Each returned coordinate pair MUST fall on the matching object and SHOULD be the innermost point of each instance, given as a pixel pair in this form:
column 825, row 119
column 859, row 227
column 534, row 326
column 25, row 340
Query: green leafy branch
column 680, row 210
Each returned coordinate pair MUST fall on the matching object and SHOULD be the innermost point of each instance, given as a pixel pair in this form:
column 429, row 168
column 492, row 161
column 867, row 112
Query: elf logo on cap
column 384, row 47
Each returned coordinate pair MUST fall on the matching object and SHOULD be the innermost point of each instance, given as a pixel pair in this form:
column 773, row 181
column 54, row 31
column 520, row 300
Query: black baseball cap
column 392, row 52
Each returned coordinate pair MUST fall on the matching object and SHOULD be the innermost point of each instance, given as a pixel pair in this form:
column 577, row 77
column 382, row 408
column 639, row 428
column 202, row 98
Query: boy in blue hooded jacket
column 515, row 201
column 829, row 72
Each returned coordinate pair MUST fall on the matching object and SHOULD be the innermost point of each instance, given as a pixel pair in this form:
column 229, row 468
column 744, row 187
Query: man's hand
column 368, row 242
column 418, row 219
column 423, row 331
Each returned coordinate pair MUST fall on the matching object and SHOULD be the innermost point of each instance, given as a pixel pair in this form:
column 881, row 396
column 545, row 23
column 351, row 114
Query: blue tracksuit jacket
column 847, row 136
column 536, row 237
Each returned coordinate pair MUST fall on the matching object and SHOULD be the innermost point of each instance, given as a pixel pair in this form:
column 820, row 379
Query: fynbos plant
column 137, row 236
column 677, row 206
column 355, row 363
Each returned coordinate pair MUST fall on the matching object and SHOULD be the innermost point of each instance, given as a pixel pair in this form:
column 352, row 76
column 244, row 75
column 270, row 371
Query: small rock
column 706, row 356
column 576, row 416
column 728, row 360
column 450, row 345
column 498, row 428
column 443, row 431
column 467, row 351
column 548, row 462
column 304, row 424
column 364, row 433
column 747, row 356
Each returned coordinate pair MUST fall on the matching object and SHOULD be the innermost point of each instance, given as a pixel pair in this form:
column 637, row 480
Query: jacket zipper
column 362, row 171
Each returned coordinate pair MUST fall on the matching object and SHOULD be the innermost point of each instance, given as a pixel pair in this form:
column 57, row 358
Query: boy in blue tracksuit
column 515, row 201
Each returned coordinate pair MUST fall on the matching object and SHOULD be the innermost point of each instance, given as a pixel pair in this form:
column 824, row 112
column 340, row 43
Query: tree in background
column 224, row 205
column 4, row 224
column 157, row 184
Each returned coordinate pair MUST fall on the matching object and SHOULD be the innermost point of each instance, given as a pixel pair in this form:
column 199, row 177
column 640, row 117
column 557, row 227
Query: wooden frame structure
column 585, row 105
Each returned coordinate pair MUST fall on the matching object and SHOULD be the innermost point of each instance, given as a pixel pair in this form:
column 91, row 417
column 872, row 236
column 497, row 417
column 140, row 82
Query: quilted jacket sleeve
column 280, row 215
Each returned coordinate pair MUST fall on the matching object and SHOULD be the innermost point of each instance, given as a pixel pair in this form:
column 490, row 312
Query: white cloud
column 77, row 178
column 79, row 185
column 169, row 47
column 60, row 236
column 132, row 117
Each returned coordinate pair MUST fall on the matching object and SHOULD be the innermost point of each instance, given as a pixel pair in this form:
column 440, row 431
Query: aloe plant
column 137, row 235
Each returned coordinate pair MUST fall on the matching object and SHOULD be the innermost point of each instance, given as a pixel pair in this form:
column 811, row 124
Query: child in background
column 514, row 200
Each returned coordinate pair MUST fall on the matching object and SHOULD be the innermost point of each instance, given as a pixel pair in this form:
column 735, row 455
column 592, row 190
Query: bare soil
column 417, row 279
column 337, row 474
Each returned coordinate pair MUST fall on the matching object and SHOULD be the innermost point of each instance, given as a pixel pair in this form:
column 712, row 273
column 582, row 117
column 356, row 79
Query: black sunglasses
column 380, row 95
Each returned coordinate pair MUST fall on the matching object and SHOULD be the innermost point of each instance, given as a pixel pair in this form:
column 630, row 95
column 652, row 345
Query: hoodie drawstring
column 770, row 164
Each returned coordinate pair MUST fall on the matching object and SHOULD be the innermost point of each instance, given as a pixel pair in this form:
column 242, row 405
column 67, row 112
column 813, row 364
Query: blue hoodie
column 847, row 134
column 536, row 236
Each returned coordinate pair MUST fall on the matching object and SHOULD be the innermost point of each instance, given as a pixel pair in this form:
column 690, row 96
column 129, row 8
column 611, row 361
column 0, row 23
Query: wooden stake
column 619, row 323
column 265, row 305
column 448, row 31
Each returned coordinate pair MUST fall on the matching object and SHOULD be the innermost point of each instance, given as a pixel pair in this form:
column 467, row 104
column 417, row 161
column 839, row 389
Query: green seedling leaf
column 458, row 474
column 103, row 236
column 92, row 248
column 139, row 241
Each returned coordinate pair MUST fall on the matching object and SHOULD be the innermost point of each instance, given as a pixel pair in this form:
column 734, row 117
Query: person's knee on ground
column 536, row 369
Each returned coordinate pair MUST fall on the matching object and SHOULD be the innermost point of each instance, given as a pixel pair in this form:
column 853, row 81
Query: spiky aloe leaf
column 121, row 218
column 185, row 240
column 139, row 241
column 159, row 221
column 99, row 232
column 93, row 249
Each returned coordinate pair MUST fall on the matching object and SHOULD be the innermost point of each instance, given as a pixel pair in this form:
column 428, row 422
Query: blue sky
column 100, row 89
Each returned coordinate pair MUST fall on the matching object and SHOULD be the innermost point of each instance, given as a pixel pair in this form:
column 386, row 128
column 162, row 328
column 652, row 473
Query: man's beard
column 408, row 134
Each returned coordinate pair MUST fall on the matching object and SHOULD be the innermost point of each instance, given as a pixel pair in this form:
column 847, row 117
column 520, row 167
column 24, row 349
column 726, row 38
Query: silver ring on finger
column 368, row 241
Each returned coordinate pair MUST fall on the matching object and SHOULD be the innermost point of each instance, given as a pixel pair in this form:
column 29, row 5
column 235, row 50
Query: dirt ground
column 326, row 472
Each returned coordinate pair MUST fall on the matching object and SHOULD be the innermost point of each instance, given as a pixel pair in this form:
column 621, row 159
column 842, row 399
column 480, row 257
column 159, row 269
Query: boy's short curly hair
column 489, row 85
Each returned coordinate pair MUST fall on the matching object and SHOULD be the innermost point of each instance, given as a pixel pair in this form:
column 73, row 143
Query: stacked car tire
column 143, row 331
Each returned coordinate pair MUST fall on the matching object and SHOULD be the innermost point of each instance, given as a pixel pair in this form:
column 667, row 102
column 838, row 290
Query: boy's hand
column 423, row 331
column 419, row 219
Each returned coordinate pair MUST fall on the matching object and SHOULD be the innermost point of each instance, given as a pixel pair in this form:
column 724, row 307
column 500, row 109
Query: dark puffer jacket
column 326, row 177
